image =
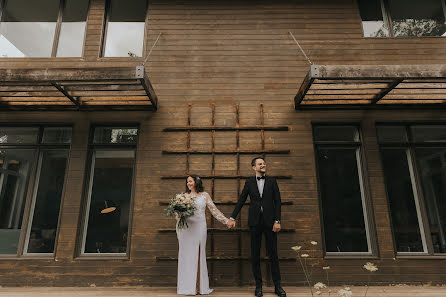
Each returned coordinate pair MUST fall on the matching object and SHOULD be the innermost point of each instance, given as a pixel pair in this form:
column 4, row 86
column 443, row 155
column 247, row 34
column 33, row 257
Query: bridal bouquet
column 182, row 207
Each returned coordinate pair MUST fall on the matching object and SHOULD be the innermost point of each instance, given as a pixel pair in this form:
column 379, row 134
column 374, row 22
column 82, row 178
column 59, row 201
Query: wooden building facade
column 95, row 137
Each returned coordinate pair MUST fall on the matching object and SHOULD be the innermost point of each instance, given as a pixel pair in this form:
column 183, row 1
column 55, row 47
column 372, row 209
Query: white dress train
column 190, row 241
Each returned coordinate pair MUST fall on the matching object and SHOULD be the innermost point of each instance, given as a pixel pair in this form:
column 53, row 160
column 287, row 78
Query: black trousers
column 271, row 250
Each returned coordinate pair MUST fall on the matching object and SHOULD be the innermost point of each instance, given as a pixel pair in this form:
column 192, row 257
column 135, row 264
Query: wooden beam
column 223, row 128
column 362, row 72
column 223, row 176
column 194, row 152
column 67, row 74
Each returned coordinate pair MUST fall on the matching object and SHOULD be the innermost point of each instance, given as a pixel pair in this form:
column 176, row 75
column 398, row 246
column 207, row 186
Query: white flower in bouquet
column 182, row 207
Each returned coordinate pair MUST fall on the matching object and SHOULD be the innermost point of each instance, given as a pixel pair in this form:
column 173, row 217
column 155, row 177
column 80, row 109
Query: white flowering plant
column 181, row 206
column 320, row 287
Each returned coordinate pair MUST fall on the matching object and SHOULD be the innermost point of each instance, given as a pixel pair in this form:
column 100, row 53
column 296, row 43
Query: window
column 21, row 148
column 346, row 225
column 110, row 190
column 44, row 28
column 414, row 163
column 124, row 31
column 402, row 18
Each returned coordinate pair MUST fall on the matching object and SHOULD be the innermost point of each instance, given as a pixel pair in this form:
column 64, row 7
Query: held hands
column 230, row 224
column 276, row 227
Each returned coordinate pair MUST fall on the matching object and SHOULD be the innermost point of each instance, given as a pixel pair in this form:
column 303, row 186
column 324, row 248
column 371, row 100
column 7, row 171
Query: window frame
column 387, row 20
column 88, row 184
column 366, row 201
column 31, row 187
column 105, row 29
column 62, row 4
column 417, row 188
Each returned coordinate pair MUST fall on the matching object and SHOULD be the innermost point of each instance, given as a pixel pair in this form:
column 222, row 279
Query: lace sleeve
column 214, row 210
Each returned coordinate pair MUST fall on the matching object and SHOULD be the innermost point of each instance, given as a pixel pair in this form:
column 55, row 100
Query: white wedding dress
column 191, row 240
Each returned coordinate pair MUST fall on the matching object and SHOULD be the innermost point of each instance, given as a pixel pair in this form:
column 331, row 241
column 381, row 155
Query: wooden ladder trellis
column 213, row 152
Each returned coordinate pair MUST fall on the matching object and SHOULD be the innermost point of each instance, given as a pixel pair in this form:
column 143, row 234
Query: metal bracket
column 314, row 71
column 139, row 71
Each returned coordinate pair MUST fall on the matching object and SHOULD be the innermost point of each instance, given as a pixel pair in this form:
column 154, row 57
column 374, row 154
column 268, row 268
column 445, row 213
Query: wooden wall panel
column 227, row 53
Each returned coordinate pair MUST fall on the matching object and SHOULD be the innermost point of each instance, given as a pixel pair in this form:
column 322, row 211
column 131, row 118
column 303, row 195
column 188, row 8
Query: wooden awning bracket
column 95, row 88
column 372, row 86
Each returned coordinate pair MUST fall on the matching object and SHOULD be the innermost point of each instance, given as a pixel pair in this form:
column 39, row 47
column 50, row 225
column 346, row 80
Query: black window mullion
column 58, row 26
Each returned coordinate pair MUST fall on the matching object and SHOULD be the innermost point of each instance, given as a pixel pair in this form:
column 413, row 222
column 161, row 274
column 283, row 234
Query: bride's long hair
column 198, row 184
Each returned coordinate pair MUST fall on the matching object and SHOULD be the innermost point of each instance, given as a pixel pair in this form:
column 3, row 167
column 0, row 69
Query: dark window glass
column 432, row 168
column 336, row 133
column 28, row 27
column 50, row 177
column 342, row 206
column 15, row 168
column 125, row 28
column 417, row 18
column 18, row 135
column 72, row 30
column 110, row 195
column 429, row 133
column 405, row 223
column 372, row 18
column 109, row 135
column 392, row 134
column 57, row 135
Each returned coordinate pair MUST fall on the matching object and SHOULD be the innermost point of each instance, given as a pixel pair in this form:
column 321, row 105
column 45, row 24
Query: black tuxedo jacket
column 270, row 201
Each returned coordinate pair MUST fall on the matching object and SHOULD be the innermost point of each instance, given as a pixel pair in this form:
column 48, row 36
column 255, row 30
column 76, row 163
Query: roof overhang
column 372, row 86
column 123, row 88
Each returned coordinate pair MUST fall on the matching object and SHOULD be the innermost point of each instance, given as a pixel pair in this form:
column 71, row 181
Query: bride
column 192, row 270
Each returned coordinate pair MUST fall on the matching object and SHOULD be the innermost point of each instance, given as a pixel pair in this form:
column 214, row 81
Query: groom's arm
column 241, row 201
column 277, row 201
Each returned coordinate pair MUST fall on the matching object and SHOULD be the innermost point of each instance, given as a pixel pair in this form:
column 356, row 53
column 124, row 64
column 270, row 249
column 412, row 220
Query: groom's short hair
column 253, row 162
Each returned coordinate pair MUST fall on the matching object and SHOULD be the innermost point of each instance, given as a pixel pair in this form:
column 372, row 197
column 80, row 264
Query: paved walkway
column 390, row 291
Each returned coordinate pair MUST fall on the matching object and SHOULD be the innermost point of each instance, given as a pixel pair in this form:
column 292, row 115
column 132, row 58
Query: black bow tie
column 260, row 177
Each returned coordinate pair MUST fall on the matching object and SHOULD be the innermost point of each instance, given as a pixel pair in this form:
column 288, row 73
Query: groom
column 264, row 217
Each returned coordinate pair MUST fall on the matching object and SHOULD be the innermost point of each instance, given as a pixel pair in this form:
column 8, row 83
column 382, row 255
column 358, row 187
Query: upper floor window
column 403, row 18
column 44, row 28
column 124, row 29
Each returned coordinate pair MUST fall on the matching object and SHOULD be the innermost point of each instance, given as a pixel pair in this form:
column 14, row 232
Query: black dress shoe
column 280, row 291
column 258, row 292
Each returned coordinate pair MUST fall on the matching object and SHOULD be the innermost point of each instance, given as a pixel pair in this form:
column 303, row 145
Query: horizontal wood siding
column 228, row 53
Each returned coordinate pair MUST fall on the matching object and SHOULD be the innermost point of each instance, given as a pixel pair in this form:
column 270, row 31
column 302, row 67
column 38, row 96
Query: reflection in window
column 404, row 213
column 46, row 204
column 373, row 23
column 108, row 135
column 72, row 29
column 28, row 28
column 403, row 18
column 19, row 135
column 417, row 18
column 125, row 28
column 415, row 172
column 109, row 201
column 341, row 191
column 432, row 167
column 15, row 168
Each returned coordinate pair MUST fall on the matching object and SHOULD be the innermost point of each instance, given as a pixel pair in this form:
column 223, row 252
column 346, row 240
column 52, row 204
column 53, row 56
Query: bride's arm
column 214, row 210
